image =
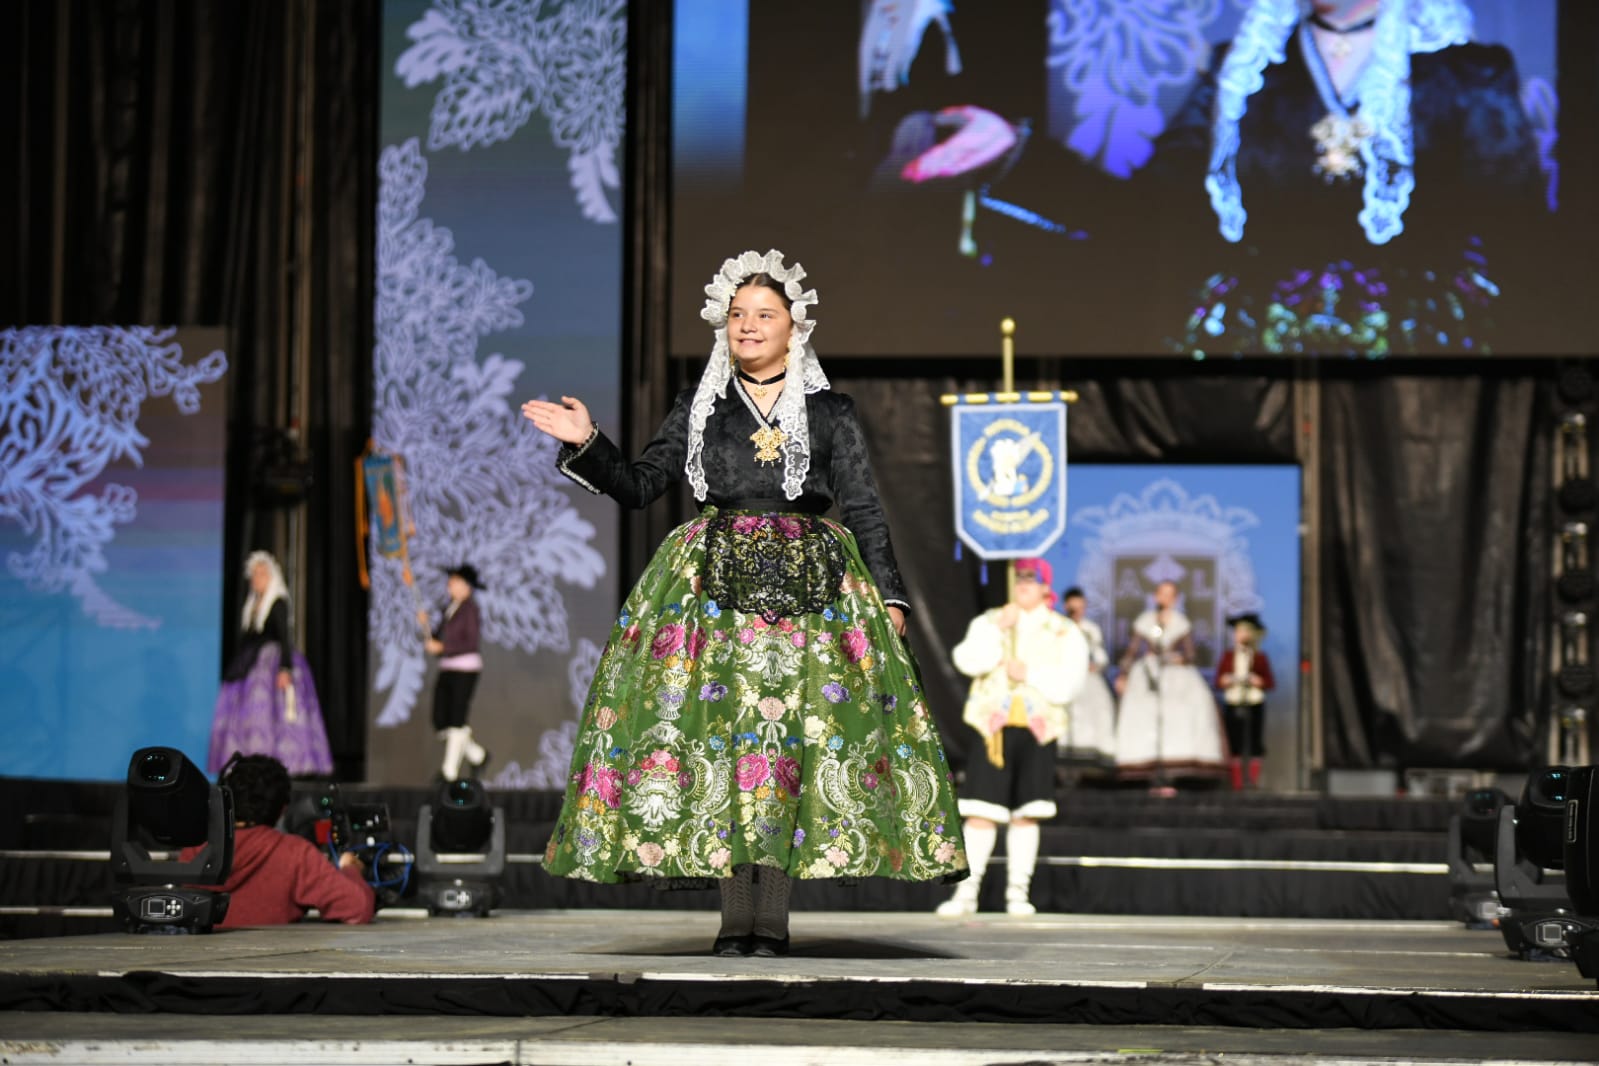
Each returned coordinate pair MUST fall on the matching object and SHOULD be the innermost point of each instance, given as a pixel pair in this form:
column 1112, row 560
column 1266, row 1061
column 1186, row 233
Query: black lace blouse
column 840, row 471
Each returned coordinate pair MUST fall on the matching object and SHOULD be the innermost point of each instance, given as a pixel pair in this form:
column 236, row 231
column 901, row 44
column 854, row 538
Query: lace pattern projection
column 69, row 408
column 1115, row 58
column 772, row 565
column 789, row 411
column 503, row 62
column 481, row 479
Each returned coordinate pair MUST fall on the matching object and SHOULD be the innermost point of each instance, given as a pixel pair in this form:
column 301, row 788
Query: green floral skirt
column 787, row 731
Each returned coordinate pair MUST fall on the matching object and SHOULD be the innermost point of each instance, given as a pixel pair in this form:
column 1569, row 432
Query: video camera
column 337, row 826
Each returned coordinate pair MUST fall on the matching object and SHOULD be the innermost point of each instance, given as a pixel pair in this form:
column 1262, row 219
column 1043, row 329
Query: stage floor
column 1114, row 977
column 165, row 1041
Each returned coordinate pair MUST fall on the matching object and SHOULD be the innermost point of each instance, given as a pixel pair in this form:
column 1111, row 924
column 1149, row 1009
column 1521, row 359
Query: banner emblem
column 1010, row 476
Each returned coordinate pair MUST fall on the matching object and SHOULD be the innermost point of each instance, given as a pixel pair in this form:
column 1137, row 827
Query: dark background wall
column 208, row 163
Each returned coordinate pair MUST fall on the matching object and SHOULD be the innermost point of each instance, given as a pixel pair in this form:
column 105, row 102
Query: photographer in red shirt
column 276, row 877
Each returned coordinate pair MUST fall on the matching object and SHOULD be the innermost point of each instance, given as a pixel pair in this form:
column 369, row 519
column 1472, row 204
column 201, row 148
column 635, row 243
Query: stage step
column 1109, row 851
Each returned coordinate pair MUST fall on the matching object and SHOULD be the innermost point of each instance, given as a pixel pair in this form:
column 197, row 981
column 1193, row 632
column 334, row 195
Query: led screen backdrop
column 1176, row 177
column 499, row 276
column 1227, row 535
column 111, row 501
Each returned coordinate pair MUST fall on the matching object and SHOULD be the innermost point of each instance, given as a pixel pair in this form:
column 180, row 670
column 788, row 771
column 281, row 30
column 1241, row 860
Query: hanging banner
column 380, row 474
column 1009, row 452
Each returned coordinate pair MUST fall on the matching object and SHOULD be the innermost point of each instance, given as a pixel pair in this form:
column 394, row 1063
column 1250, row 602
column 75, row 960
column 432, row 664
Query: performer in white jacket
column 1090, row 737
column 1027, row 662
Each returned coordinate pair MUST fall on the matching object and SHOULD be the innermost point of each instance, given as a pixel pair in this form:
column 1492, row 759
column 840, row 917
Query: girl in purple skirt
column 268, row 703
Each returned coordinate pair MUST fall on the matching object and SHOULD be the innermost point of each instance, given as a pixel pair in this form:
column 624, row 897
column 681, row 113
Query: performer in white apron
column 1090, row 737
column 1168, row 725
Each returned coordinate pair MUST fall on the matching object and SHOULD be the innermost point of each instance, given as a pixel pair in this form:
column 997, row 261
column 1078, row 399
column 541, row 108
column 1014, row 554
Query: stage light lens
column 155, row 767
column 1541, row 817
column 1484, row 802
column 1550, row 787
column 462, row 819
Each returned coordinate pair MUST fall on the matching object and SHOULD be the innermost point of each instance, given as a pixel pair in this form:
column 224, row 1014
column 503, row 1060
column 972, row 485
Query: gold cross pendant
column 768, row 439
column 1338, row 143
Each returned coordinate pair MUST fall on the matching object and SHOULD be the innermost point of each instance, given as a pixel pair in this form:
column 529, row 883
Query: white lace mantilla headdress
column 802, row 368
column 1404, row 28
column 255, row 611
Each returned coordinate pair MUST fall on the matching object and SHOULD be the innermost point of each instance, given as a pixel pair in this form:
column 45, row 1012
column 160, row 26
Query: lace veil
column 802, row 367
column 277, row 589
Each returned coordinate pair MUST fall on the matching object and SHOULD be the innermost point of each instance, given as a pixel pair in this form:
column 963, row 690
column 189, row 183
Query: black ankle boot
column 769, row 947
column 733, row 947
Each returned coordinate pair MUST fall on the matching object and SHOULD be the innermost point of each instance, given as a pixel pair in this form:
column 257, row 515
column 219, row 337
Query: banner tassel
column 982, row 575
column 957, row 550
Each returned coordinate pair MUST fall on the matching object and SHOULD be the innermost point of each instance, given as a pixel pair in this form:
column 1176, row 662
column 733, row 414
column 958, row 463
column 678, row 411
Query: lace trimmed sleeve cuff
column 583, row 463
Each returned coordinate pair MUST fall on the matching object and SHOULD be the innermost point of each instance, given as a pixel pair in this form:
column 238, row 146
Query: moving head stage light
column 168, row 803
column 1472, row 831
column 1530, row 854
column 460, row 850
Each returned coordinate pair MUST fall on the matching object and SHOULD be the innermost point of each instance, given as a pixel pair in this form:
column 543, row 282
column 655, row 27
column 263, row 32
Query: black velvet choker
column 1323, row 24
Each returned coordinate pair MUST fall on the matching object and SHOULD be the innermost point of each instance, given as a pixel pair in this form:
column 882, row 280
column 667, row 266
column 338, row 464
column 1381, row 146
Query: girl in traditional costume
column 756, row 714
column 268, row 704
column 1168, row 725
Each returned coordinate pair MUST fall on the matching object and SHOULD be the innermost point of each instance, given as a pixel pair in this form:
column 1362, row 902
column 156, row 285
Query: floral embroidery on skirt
column 715, row 737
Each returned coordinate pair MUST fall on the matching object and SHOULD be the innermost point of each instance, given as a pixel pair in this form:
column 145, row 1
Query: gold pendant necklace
column 768, row 439
column 1338, row 142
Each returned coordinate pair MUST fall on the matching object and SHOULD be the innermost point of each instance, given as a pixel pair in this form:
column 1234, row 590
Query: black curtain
column 200, row 163
column 1436, row 591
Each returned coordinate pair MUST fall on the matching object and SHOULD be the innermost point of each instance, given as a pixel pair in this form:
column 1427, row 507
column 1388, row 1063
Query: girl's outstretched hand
column 567, row 421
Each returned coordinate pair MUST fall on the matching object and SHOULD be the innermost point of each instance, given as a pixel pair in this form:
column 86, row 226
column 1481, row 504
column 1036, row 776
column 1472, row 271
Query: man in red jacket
column 277, row 877
column 1244, row 677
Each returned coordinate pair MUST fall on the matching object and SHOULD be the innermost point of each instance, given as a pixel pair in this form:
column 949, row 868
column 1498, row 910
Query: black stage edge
column 601, row 995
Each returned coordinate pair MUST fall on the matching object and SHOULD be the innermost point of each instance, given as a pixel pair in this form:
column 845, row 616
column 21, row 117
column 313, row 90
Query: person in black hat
column 455, row 641
column 1244, row 677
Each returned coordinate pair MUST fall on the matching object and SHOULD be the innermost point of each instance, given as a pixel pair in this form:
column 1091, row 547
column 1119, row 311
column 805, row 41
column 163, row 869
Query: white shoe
column 1020, row 908
column 956, row 907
